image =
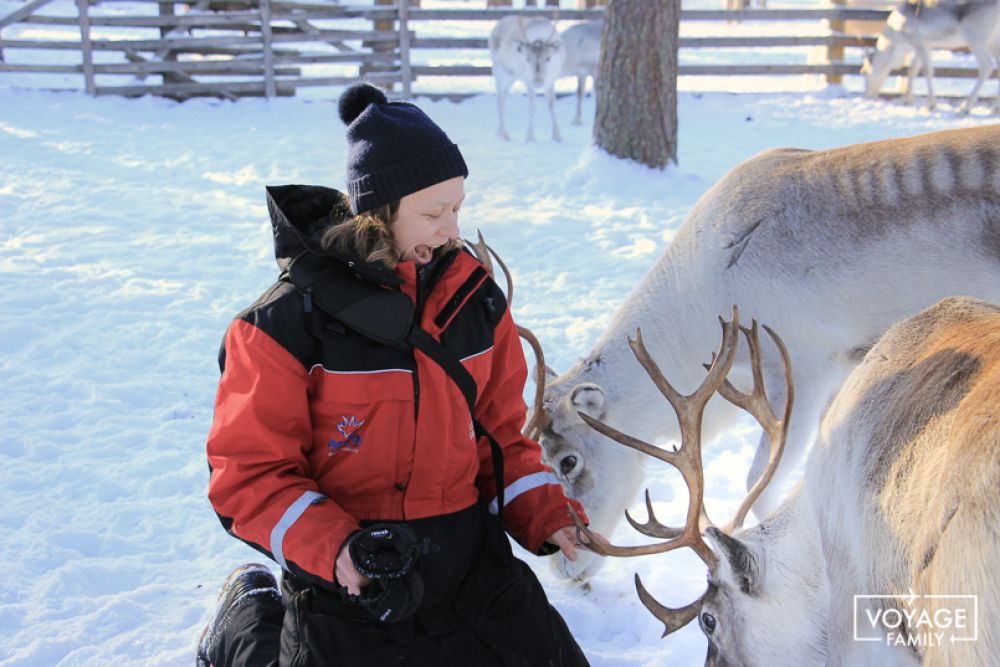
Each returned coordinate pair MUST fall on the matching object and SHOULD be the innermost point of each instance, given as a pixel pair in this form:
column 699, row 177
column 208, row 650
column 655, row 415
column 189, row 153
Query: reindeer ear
column 550, row 374
column 742, row 561
column 588, row 398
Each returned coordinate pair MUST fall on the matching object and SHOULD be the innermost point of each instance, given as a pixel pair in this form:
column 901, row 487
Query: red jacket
column 317, row 427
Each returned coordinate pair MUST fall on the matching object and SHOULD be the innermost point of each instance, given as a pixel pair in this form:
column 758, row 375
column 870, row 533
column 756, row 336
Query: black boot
column 250, row 581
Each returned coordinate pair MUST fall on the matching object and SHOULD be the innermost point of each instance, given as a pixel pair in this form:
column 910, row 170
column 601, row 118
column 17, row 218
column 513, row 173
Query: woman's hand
column 565, row 539
column 347, row 575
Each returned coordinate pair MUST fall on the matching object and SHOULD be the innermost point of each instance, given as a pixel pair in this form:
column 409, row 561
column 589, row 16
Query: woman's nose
column 449, row 226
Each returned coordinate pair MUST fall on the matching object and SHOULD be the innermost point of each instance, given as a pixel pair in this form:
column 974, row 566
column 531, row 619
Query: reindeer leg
column 531, row 115
column 996, row 100
column 925, row 57
column 502, row 89
column 550, row 98
column 581, row 86
column 985, row 61
column 916, row 64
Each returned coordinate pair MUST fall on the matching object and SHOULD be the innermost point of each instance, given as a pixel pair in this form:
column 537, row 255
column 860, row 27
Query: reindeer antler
column 757, row 404
column 687, row 459
column 539, row 419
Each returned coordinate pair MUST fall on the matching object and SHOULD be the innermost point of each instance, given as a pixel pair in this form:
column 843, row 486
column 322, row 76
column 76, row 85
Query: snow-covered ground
column 131, row 231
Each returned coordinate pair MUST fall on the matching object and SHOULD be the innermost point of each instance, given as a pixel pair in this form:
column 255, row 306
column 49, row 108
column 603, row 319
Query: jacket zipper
column 416, row 319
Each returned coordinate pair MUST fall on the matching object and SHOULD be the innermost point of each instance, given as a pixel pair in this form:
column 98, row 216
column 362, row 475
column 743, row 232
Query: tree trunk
column 637, row 85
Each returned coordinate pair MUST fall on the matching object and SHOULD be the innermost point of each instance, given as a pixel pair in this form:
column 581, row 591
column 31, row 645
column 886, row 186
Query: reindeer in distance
column 912, row 29
column 830, row 247
column 582, row 43
column 899, row 500
column 530, row 51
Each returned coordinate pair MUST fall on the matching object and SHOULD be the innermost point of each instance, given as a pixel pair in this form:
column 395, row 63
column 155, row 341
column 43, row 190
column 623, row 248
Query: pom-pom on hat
column 394, row 149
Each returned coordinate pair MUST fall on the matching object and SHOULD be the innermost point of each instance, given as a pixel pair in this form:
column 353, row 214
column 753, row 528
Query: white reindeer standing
column 582, row 44
column 529, row 51
column 914, row 28
column 830, row 247
column 899, row 505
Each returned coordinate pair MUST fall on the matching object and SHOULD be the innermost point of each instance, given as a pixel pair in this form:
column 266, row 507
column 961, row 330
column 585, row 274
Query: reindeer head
column 746, row 602
column 889, row 53
column 541, row 46
column 592, row 468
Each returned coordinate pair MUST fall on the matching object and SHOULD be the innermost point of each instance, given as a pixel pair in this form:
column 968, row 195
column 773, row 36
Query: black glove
column 391, row 600
column 384, row 550
column 387, row 553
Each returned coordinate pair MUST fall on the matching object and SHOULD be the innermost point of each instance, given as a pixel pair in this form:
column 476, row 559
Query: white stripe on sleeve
column 523, row 485
column 288, row 519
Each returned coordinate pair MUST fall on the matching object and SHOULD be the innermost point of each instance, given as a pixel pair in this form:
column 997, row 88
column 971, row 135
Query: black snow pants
column 481, row 607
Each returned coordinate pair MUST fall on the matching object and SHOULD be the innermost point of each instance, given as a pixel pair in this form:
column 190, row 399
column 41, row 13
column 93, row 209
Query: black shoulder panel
column 471, row 331
column 314, row 338
column 279, row 313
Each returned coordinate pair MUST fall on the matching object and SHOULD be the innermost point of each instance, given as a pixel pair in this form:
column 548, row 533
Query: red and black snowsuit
column 318, row 429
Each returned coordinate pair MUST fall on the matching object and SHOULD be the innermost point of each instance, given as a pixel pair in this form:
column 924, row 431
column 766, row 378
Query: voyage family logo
column 348, row 427
column 919, row 621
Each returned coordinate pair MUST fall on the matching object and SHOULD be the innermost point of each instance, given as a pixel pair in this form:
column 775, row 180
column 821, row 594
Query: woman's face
column 427, row 219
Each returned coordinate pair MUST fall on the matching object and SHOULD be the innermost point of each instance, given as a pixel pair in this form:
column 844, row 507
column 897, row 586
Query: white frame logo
column 918, row 621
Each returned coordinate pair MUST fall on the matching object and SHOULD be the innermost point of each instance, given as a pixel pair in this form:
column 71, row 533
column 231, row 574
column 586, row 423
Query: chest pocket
column 362, row 422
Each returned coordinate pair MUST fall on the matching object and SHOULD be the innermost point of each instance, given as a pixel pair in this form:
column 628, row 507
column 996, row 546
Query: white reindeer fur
column 582, row 43
column 900, row 494
column 829, row 248
column 530, row 51
column 913, row 29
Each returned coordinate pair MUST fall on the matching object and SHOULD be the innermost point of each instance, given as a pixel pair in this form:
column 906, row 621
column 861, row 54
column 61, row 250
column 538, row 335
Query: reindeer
column 582, row 43
column 831, row 247
column 912, row 28
column 529, row 51
column 899, row 500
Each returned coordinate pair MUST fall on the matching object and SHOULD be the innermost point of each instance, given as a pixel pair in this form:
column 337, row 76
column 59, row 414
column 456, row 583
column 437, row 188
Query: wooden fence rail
column 230, row 48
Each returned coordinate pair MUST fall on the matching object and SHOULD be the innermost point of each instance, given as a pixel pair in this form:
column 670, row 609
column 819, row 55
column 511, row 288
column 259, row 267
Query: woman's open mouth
column 423, row 254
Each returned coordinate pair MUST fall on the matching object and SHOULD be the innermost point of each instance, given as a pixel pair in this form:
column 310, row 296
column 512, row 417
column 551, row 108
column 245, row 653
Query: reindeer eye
column 567, row 464
column 707, row 623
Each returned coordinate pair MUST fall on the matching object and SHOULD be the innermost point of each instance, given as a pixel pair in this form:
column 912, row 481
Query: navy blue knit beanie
column 393, row 149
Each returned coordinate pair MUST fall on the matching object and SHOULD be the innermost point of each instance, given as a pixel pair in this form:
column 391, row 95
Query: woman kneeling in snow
column 343, row 446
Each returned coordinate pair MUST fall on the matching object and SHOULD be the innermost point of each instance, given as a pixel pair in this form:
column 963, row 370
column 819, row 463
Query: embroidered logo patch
column 348, row 427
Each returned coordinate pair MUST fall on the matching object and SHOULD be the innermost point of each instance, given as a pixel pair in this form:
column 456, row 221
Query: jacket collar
column 300, row 214
column 454, row 282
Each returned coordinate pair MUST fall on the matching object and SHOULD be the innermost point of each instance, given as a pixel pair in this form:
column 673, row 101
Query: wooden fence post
column 835, row 53
column 379, row 47
column 87, row 51
column 405, row 71
column 267, row 52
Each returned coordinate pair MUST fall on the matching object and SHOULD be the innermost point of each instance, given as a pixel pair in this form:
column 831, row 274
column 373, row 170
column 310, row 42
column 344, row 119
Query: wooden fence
column 230, row 48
